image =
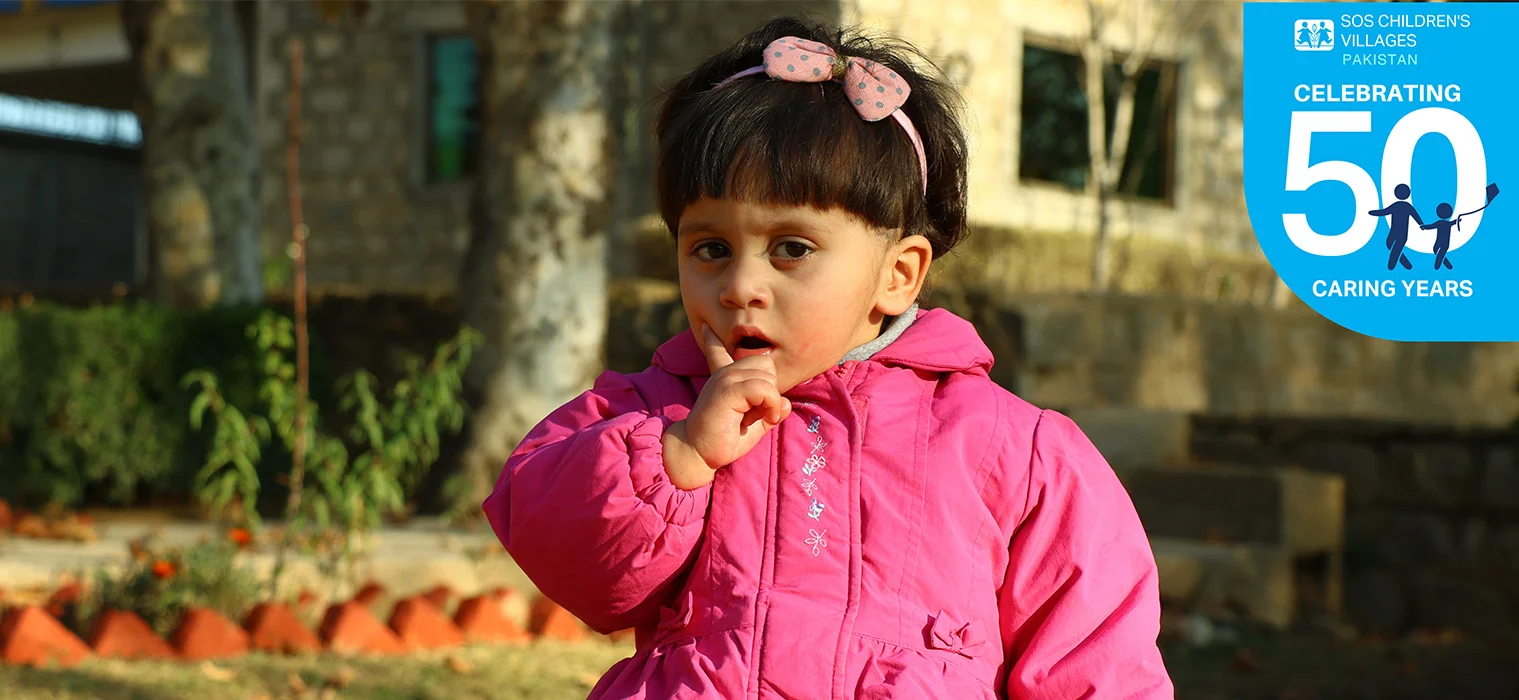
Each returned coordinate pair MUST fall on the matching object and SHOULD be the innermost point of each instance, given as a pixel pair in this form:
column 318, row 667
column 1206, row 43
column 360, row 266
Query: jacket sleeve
column 1080, row 604
column 585, row 508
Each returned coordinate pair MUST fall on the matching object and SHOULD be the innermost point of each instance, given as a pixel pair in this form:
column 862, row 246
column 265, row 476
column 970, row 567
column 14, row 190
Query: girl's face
column 803, row 284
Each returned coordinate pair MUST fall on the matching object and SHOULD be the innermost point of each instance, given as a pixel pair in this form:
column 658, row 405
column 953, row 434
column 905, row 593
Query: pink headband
column 876, row 91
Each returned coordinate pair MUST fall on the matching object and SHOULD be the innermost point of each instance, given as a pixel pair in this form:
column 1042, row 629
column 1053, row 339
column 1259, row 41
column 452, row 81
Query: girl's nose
column 746, row 287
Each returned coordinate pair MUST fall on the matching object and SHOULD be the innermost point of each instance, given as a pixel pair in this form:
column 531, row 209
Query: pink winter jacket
column 912, row 530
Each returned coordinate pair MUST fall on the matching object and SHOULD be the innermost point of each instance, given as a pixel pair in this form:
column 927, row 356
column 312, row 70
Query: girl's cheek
column 806, row 341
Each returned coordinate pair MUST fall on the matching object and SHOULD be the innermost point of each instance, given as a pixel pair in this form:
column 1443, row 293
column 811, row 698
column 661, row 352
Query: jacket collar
column 937, row 341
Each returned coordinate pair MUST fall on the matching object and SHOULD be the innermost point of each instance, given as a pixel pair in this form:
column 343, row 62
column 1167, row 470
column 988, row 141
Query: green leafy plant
column 349, row 484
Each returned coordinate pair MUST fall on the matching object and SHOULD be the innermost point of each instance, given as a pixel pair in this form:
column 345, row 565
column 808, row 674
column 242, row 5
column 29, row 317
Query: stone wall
column 378, row 227
column 1229, row 359
column 1171, row 354
column 1431, row 513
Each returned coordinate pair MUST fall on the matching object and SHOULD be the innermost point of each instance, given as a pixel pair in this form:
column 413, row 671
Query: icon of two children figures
column 1401, row 211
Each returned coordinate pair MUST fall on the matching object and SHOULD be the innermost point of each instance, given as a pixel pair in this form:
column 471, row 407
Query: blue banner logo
column 1376, row 139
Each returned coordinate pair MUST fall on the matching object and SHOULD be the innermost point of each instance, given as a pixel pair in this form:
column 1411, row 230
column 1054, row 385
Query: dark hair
column 803, row 144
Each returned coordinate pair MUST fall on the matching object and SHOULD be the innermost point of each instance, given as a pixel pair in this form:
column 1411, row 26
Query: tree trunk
column 1108, row 162
column 535, row 279
column 200, row 151
column 1095, row 58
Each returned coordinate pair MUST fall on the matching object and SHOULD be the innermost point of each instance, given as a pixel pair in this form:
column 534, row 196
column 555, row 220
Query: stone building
column 389, row 103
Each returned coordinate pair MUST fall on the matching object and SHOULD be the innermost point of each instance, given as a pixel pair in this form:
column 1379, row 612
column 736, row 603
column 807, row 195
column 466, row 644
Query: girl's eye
column 709, row 251
column 793, row 250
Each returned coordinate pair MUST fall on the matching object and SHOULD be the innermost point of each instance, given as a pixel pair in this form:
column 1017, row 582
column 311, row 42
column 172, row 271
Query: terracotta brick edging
column 205, row 634
column 549, row 619
column 440, row 596
column 349, row 628
column 369, row 594
column 481, row 620
column 123, row 635
column 32, row 635
column 272, row 627
column 421, row 625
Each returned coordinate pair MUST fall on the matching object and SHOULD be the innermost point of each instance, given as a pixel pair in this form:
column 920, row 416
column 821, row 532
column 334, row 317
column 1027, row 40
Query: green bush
column 95, row 407
column 91, row 406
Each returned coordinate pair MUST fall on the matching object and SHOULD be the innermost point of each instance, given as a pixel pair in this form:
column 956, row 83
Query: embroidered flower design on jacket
column 809, row 485
column 815, row 461
column 816, row 540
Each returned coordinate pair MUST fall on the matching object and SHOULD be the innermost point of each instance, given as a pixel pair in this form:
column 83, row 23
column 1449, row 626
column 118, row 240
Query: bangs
column 774, row 142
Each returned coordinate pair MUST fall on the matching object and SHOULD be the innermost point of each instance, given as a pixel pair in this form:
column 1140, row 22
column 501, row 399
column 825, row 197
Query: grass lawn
column 1277, row 667
column 545, row 669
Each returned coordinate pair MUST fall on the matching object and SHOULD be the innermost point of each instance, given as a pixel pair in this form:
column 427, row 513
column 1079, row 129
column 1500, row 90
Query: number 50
column 1397, row 162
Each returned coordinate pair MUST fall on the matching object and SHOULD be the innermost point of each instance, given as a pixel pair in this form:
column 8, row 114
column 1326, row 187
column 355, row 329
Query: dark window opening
column 453, row 108
column 1053, row 135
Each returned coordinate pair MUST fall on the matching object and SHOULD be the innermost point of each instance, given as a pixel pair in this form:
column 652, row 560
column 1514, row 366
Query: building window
column 1053, row 135
column 453, row 108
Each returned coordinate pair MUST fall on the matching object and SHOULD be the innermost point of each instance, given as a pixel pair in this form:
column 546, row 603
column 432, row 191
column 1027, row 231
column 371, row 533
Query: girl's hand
column 738, row 405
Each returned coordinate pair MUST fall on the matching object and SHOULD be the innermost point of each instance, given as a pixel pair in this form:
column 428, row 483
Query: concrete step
column 1301, row 511
column 1255, row 579
column 1133, row 438
column 1264, row 539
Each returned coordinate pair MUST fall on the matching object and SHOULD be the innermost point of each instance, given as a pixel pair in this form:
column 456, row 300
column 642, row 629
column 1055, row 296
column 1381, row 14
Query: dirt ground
column 1275, row 667
column 1319, row 667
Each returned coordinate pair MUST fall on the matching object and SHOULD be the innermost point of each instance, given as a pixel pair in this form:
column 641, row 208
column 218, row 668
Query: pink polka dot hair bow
column 875, row 90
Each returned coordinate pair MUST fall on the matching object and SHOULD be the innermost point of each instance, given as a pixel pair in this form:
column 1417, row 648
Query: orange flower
column 163, row 569
column 240, row 537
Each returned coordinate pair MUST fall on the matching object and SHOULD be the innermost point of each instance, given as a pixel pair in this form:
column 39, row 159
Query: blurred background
column 446, row 206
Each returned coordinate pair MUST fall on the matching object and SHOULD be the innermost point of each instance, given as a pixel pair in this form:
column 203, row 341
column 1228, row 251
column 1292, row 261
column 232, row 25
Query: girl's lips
column 750, row 341
column 741, row 353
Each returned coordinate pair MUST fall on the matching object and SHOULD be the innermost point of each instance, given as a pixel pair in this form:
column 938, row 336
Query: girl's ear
column 906, row 268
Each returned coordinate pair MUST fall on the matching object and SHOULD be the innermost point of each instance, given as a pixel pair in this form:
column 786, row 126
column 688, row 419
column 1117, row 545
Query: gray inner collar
column 893, row 331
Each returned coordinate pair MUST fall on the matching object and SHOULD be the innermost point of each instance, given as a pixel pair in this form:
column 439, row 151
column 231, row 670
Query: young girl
column 817, row 491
